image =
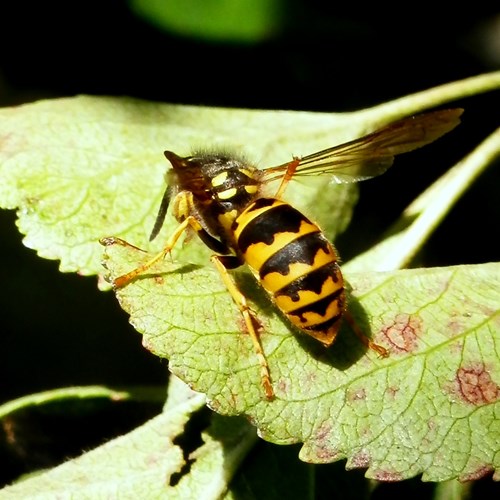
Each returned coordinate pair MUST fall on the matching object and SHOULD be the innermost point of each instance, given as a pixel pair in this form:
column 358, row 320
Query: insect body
column 294, row 263
column 222, row 198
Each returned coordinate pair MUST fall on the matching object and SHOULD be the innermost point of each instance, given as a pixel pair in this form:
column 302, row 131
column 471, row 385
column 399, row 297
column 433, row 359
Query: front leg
column 125, row 279
column 184, row 208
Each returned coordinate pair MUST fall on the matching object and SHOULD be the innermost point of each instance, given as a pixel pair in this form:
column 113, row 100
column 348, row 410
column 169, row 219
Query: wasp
column 225, row 201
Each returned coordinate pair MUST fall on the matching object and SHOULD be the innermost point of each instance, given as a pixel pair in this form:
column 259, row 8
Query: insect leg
column 125, row 279
column 290, row 170
column 222, row 263
column 382, row 351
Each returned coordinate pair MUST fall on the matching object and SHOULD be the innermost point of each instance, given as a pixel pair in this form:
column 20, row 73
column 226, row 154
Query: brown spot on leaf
column 283, row 386
column 159, row 280
column 311, row 377
column 456, row 348
column 356, row 395
column 325, row 455
column 475, row 385
column 479, row 473
column 454, row 327
column 392, row 391
column 360, row 460
column 459, row 321
column 323, row 432
column 403, row 332
column 388, row 476
column 321, row 446
column 430, row 437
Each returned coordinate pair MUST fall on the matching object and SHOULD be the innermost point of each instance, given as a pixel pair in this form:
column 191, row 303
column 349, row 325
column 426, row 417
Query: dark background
column 58, row 330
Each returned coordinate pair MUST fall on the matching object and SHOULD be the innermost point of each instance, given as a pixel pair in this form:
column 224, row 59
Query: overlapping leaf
column 83, row 168
column 149, row 462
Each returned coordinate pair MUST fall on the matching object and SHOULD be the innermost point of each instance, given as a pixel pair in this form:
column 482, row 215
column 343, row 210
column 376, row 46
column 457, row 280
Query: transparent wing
column 372, row 154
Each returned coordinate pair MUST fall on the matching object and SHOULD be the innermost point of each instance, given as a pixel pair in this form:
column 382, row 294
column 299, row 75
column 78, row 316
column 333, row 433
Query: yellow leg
column 382, row 351
column 250, row 321
column 125, row 279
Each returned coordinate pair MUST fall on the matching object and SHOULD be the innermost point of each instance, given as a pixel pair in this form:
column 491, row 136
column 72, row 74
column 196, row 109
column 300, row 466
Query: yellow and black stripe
column 295, row 264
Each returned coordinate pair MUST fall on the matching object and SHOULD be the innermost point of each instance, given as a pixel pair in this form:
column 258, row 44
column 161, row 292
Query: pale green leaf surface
column 142, row 463
column 80, row 169
column 431, row 406
column 83, row 168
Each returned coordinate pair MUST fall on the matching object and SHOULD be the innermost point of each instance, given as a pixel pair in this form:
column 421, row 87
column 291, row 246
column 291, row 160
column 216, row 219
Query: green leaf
column 68, row 393
column 213, row 19
column 430, row 406
column 84, row 168
column 149, row 462
column 81, row 169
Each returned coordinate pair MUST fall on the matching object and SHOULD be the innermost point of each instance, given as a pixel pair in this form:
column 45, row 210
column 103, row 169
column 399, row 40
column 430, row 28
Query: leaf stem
column 435, row 96
column 405, row 238
column 152, row 394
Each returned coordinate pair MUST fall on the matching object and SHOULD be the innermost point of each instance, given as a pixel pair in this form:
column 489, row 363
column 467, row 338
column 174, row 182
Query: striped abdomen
column 295, row 264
